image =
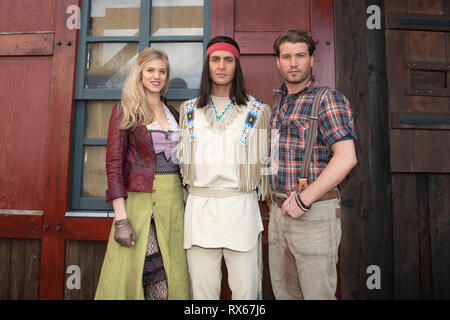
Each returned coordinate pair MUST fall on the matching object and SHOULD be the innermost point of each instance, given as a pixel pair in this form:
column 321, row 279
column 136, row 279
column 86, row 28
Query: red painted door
column 37, row 59
column 255, row 24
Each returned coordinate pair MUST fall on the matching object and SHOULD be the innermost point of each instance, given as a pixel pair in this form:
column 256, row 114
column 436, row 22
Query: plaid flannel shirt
column 291, row 117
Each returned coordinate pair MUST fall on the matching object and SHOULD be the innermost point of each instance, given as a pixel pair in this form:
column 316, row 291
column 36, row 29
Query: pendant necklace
column 219, row 116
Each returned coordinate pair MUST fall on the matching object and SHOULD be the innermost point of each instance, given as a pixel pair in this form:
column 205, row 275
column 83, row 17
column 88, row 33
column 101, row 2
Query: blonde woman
column 145, row 258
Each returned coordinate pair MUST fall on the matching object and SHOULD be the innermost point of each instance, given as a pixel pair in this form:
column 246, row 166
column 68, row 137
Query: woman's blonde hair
column 134, row 103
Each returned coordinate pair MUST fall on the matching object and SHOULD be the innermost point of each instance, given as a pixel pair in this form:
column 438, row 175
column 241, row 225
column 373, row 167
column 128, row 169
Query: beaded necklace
column 219, row 116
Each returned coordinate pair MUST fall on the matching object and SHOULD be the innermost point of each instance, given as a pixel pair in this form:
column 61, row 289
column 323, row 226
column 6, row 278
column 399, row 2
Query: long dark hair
column 238, row 92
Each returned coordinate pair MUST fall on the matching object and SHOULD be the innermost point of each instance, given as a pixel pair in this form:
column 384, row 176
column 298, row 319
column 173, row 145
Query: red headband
column 223, row 46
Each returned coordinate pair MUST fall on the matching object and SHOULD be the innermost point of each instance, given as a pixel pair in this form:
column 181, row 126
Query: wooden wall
column 421, row 235
column 418, row 61
column 88, row 256
column 19, row 269
column 366, row 213
column 396, row 202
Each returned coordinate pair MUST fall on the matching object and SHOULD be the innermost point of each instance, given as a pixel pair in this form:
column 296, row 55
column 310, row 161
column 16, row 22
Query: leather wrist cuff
column 300, row 203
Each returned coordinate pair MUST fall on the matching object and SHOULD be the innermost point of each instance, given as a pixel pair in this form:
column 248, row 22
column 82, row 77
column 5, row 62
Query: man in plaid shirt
column 304, row 227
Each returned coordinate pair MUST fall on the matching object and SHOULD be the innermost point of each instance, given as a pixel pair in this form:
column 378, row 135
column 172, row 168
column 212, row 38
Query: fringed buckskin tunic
column 222, row 163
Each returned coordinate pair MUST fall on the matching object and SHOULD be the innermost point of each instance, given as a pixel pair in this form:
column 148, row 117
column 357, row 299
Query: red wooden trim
column 222, row 18
column 58, row 148
column 322, row 29
column 26, row 44
column 92, row 229
column 20, row 226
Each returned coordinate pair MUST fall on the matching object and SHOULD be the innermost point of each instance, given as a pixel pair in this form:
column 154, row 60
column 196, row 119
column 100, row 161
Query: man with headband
column 223, row 145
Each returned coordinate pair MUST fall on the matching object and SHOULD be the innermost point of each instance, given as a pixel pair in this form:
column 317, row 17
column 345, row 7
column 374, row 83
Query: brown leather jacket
column 130, row 157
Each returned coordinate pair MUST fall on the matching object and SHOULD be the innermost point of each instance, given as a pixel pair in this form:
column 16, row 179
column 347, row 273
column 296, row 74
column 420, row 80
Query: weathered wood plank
column 439, row 198
column 256, row 42
column 429, row 47
column 72, row 257
column 87, row 251
column 426, row 6
column 26, row 44
column 446, row 8
column 93, row 229
column 27, row 16
column 222, row 18
column 23, row 123
column 448, row 42
column 255, row 16
column 57, row 155
column 406, row 242
column 351, row 80
column 366, row 191
column 88, row 256
column 20, row 226
column 428, row 79
column 396, row 5
column 432, row 151
column 397, row 43
column 322, row 22
column 99, row 255
column 258, row 67
column 5, row 268
column 378, row 155
column 19, row 269
column 32, row 269
column 423, row 221
column 17, row 273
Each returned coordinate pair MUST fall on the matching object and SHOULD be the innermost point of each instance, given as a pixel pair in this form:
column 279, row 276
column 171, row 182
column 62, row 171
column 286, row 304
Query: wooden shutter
column 418, row 64
column 37, row 59
column 418, row 58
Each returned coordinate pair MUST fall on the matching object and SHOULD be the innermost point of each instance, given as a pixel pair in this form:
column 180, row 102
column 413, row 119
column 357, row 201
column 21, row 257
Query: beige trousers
column 205, row 269
column 303, row 252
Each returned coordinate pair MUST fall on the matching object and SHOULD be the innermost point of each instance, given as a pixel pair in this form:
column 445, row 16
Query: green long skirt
column 121, row 275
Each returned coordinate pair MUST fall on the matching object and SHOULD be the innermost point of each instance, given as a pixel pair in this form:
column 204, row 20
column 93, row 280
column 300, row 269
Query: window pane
column 94, row 172
column 109, row 63
column 97, row 118
column 177, row 17
column 115, row 17
column 186, row 62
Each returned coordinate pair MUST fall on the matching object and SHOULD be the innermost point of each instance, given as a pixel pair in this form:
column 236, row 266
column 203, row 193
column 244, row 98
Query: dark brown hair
column 238, row 92
column 294, row 36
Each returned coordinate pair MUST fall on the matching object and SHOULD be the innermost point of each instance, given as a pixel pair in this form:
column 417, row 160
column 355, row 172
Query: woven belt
column 279, row 198
column 214, row 193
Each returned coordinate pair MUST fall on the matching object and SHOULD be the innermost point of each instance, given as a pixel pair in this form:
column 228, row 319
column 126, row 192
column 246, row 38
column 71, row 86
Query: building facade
column 63, row 63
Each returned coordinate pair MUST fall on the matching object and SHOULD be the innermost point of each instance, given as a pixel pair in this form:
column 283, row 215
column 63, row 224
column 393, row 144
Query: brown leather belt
column 280, row 198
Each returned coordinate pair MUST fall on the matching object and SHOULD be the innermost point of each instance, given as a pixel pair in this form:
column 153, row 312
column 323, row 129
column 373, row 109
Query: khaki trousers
column 205, row 269
column 303, row 252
